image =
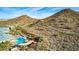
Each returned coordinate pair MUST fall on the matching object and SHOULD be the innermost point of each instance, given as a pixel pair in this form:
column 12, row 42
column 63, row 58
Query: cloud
column 35, row 12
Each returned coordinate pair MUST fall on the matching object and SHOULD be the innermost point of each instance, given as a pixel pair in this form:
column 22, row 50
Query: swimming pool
column 20, row 40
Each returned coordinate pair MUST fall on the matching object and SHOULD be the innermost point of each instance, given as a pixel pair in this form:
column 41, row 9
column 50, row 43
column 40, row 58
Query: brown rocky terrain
column 22, row 20
column 60, row 31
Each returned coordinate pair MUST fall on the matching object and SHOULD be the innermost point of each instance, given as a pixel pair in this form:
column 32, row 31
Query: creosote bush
column 5, row 46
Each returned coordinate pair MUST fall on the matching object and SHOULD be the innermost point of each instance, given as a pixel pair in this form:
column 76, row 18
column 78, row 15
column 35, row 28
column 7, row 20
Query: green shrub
column 30, row 25
column 4, row 46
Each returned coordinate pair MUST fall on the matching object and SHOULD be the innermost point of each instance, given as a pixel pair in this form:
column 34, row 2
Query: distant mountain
column 22, row 20
column 64, row 16
column 3, row 23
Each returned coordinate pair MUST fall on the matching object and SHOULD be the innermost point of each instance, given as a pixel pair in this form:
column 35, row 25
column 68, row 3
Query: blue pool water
column 20, row 40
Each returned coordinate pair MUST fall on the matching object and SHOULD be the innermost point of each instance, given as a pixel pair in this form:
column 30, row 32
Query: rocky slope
column 22, row 20
column 61, row 30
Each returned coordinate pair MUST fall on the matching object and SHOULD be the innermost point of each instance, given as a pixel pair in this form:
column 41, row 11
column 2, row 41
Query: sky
column 34, row 12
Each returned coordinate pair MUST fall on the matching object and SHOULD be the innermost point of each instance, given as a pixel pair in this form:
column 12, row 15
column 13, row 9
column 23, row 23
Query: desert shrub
column 38, row 38
column 65, row 42
column 5, row 46
column 17, row 30
column 66, row 27
column 18, row 27
column 30, row 25
column 42, row 46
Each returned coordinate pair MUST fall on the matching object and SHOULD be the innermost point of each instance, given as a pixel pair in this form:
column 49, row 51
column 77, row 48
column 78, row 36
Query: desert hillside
column 21, row 20
column 60, row 32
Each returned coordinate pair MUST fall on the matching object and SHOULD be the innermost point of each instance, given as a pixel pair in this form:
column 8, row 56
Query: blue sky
column 34, row 12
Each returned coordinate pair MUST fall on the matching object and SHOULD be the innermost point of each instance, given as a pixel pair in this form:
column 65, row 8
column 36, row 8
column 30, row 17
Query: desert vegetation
column 59, row 32
column 5, row 46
